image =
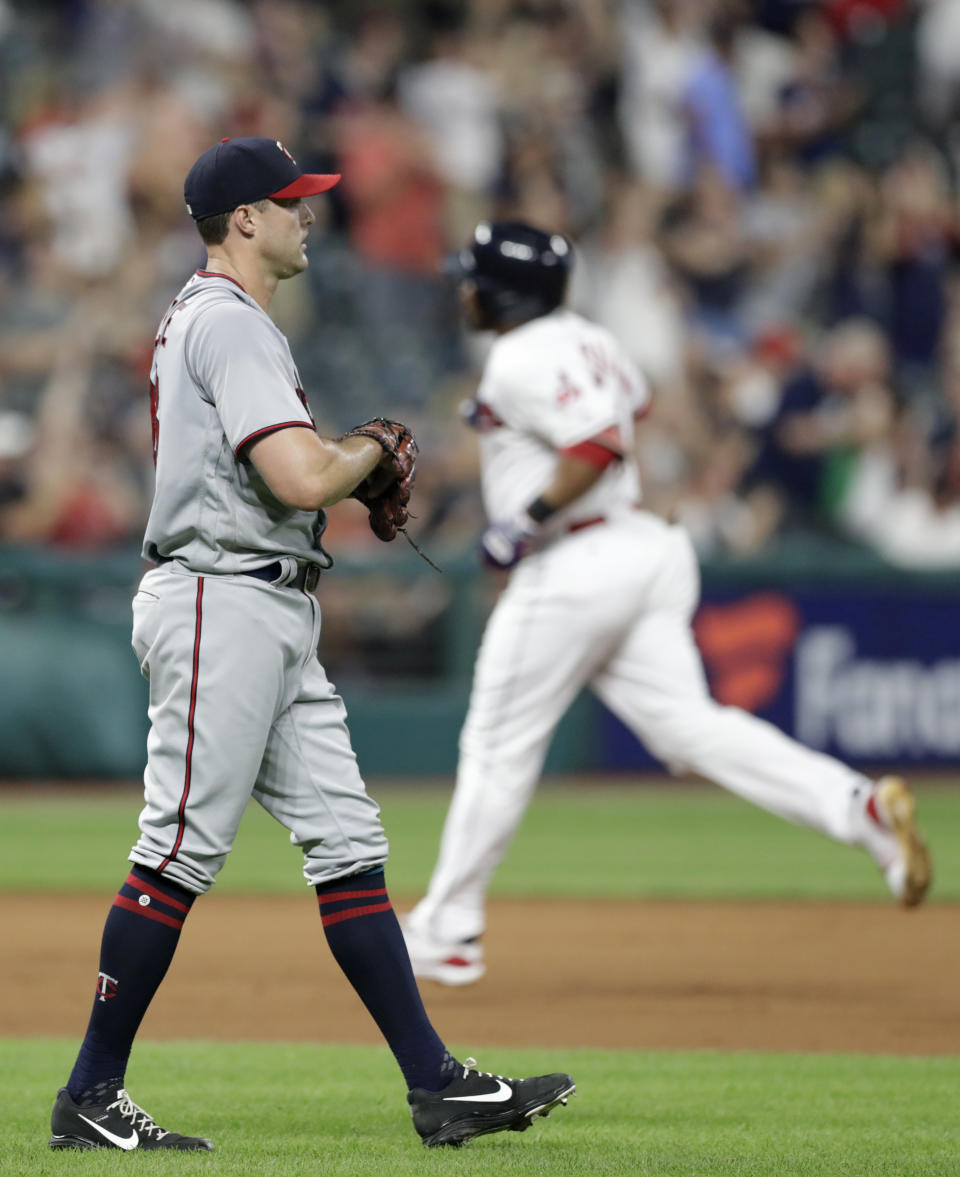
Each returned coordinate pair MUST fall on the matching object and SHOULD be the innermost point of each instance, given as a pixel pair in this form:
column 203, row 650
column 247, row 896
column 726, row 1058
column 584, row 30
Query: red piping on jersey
column 214, row 274
column 147, row 889
column 191, row 715
column 593, row 452
column 337, row 917
column 580, row 524
column 273, row 429
column 610, row 438
column 159, row 916
column 481, row 417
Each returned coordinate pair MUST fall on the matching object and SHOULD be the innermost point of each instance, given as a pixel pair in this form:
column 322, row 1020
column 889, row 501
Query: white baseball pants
column 610, row 607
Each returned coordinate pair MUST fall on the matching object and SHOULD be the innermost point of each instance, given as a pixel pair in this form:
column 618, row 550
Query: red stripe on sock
column 133, row 905
column 337, row 917
column 156, row 893
column 874, row 812
column 336, row 896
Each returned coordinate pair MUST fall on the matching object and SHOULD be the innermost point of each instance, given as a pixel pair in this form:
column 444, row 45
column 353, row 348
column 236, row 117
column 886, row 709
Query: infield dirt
column 651, row 974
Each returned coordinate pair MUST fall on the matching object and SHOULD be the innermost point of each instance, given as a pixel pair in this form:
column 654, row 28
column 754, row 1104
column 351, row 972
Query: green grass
column 302, row 1109
column 590, row 840
column 339, row 1111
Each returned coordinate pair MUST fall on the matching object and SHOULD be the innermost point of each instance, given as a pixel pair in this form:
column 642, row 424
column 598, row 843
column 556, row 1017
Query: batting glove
column 504, row 544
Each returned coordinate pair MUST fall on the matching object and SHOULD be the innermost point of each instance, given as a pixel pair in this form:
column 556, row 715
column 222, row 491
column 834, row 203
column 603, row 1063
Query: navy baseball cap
column 243, row 171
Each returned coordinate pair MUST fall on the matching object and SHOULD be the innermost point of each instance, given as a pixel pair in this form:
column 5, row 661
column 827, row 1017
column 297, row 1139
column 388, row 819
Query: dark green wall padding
column 73, row 703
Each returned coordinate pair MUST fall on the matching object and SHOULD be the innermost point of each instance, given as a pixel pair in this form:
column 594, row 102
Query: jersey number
column 603, row 367
column 567, row 391
column 160, row 341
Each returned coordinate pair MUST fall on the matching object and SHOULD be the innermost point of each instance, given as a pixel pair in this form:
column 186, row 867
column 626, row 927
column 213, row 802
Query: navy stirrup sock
column 365, row 938
column 139, row 940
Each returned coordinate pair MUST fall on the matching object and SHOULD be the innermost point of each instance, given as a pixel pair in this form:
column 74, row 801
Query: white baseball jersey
column 558, row 384
column 607, row 607
column 222, row 377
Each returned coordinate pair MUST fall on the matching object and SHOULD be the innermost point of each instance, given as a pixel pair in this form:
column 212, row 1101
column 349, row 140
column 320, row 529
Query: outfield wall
column 853, row 657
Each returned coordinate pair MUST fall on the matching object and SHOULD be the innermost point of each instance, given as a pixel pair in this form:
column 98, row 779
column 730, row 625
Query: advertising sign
column 870, row 676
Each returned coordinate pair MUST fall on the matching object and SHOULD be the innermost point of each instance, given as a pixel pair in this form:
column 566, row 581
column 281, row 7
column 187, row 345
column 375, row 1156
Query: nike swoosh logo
column 125, row 1142
column 504, row 1092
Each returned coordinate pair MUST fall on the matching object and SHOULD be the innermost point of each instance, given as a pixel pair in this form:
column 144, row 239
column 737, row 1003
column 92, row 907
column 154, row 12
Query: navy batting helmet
column 519, row 272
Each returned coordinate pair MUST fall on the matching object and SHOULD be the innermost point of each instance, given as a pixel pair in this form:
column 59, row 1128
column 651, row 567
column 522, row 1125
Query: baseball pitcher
column 226, row 629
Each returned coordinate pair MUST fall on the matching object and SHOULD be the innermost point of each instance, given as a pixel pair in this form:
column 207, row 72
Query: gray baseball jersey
column 222, row 377
column 240, row 706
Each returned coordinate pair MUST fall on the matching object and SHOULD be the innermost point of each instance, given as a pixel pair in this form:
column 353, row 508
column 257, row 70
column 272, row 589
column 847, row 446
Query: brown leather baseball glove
column 388, row 511
column 385, row 492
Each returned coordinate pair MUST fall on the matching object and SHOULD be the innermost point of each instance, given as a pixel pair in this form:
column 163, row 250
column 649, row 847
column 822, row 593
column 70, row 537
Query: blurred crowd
column 762, row 196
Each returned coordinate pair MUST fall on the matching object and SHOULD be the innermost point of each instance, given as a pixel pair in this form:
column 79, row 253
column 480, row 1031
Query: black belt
column 308, row 575
column 307, row 578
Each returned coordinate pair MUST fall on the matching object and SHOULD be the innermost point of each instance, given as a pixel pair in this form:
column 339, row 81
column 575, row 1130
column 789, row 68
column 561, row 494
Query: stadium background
column 763, row 201
column 764, row 208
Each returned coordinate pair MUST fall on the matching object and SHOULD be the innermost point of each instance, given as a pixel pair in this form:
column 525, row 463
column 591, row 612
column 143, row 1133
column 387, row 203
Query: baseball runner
column 226, row 629
column 601, row 594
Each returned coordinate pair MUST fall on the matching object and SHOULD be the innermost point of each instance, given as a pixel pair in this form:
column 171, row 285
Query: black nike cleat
column 118, row 1124
column 477, row 1102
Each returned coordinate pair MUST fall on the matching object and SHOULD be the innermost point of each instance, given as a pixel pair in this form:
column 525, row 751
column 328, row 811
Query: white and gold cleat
column 908, row 872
